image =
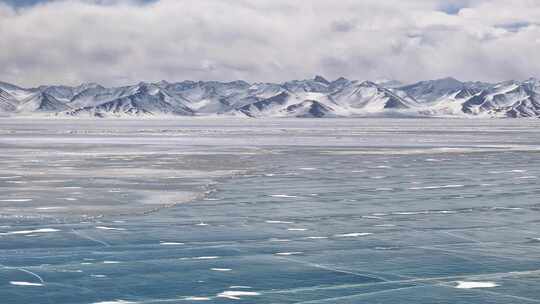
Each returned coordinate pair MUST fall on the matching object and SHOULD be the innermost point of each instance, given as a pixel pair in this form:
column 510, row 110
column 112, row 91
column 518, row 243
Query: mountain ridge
column 317, row 97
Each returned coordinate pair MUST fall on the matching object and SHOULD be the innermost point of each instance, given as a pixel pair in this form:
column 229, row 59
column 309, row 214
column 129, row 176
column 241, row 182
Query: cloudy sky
column 121, row 41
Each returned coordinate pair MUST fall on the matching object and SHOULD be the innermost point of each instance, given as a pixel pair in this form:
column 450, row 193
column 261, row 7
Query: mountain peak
column 368, row 83
column 240, row 83
column 9, row 86
column 89, row 85
column 321, row 79
column 340, row 79
column 449, row 81
column 390, row 83
column 448, row 78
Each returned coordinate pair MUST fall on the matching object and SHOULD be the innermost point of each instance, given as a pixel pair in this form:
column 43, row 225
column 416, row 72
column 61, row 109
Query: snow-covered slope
column 369, row 97
column 140, row 100
column 449, row 96
column 507, row 99
column 8, row 103
column 433, row 90
column 309, row 108
column 317, row 97
column 41, row 102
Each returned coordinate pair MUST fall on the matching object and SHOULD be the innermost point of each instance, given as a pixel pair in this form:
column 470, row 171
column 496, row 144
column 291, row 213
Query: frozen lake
column 270, row 211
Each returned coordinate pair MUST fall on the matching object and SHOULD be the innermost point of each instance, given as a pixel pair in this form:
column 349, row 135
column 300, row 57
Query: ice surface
column 405, row 211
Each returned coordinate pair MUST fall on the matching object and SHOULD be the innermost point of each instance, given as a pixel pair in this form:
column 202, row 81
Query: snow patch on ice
column 44, row 230
column 235, row 295
column 109, row 228
column 170, row 243
column 436, row 187
column 197, row 299
column 116, row 302
column 205, row 258
column 316, row 237
column 288, row 253
column 50, row 208
column 20, row 283
column 470, row 285
column 279, row 240
column 371, row 217
column 355, row 234
column 279, row 222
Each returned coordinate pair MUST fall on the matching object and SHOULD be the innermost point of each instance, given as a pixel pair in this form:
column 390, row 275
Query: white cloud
column 119, row 42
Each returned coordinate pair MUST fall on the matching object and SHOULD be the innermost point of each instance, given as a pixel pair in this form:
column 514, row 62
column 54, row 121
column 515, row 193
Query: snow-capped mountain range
column 315, row 97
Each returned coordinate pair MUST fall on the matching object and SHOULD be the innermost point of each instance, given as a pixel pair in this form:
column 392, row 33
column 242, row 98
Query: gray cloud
column 120, row 41
column 343, row 26
column 513, row 26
